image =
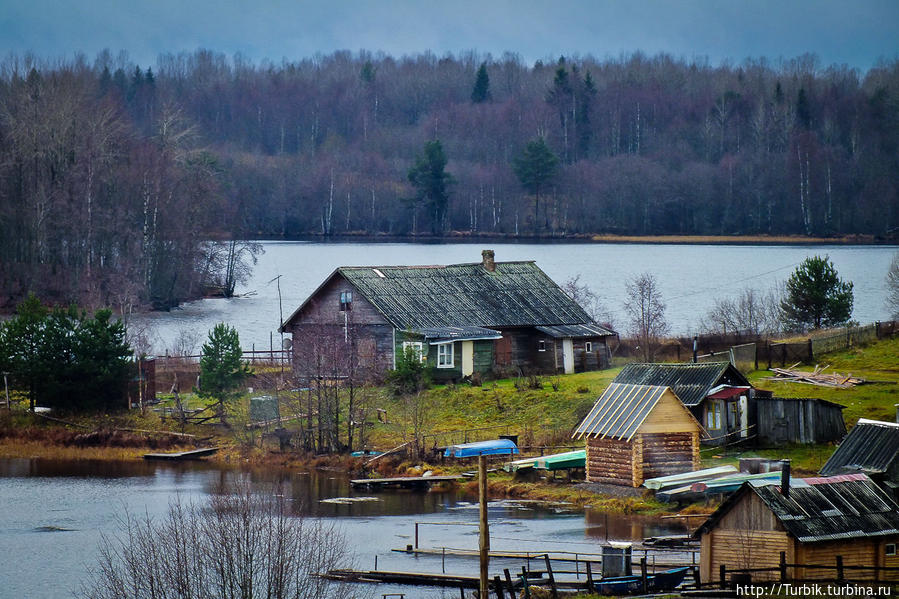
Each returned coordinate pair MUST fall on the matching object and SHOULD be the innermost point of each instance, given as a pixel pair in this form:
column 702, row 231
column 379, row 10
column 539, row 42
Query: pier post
column 484, row 537
column 498, row 588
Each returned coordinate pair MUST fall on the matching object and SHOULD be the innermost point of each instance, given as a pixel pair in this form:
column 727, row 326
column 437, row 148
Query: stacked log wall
column 667, row 453
column 609, row 461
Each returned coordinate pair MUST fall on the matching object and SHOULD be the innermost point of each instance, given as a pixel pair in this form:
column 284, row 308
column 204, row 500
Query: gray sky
column 854, row 32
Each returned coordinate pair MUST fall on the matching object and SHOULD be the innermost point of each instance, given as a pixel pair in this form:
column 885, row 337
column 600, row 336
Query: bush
column 411, row 374
column 241, row 545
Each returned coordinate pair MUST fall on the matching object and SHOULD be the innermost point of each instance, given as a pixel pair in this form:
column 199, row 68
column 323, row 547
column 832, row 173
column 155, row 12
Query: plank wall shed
column 782, row 420
column 815, row 521
column 635, row 432
column 489, row 318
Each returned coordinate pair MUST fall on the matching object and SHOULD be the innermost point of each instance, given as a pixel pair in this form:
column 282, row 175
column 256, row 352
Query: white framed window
column 713, row 415
column 541, row 345
column 346, row 301
column 588, row 346
column 417, row 347
column 445, row 355
column 890, row 549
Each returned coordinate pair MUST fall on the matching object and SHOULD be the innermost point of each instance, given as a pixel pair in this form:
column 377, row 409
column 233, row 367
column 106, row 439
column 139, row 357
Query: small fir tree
column 816, row 296
column 536, row 167
column 221, row 368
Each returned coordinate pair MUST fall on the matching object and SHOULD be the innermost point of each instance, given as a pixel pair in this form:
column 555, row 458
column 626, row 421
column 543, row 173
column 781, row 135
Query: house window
column 346, row 301
column 588, row 346
column 541, row 345
column 713, row 415
column 445, row 355
column 890, row 549
column 417, row 347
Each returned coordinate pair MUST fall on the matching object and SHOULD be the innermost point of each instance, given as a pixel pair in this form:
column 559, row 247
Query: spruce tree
column 481, row 91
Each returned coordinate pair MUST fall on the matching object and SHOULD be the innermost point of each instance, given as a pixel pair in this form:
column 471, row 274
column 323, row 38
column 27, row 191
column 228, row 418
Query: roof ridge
column 411, row 266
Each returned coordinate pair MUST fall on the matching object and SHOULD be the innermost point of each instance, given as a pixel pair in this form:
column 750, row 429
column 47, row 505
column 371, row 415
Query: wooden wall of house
column 482, row 363
column 808, row 420
column 610, row 461
column 668, row 453
column 372, row 344
column 324, row 306
column 855, row 552
column 747, row 536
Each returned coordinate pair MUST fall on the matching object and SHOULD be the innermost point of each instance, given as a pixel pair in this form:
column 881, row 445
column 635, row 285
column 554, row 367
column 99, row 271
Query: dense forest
column 114, row 176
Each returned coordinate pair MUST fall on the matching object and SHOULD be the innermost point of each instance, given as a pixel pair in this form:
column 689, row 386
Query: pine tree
column 430, row 180
column 481, row 91
column 221, row 369
column 816, row 296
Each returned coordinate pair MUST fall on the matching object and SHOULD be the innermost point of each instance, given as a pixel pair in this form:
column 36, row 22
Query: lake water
column 55, row 511
column 690, row 277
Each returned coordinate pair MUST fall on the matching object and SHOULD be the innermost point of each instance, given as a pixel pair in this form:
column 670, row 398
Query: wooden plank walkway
column 404, row 482
column 193, row 454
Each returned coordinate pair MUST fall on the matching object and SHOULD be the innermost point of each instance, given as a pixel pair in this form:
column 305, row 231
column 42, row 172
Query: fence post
column 783, row 355
column 643, row 573
column 811, row 353
column 722, row 572
column 840, row 567
column 768, row 350
column 498, row 587
column 783, row 566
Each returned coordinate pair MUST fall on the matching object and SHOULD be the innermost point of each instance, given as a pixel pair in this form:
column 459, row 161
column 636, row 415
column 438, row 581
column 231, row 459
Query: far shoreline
column 465, row 237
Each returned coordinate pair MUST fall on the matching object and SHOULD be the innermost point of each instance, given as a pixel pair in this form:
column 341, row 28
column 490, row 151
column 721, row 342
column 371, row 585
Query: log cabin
column 635, row 432
column 811, row 520
column 485, row 318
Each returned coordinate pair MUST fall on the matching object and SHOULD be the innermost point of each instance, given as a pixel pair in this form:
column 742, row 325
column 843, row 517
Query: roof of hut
column 690, row 381
column 621, row 410
column 872, row 447
column 821, row 509
column 508, row 294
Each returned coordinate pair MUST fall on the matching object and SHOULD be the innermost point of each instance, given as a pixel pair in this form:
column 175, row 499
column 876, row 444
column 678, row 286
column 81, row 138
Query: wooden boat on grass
column 659, row 582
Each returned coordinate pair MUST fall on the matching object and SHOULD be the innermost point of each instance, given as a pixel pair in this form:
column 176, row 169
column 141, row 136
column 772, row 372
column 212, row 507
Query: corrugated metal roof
column 871, row 446
column 515, row 294
column 691, row 382
column 575, row 331
column 619, row 411
column 823, row 509
column 436, row 334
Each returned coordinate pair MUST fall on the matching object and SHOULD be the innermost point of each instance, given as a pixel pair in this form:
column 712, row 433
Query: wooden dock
column 402, row 482
column 193, row 454
column 410, row 578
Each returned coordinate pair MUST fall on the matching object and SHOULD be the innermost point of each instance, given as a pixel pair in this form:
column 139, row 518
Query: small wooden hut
column 812, row 521
column 635, row 432
column 783, row 420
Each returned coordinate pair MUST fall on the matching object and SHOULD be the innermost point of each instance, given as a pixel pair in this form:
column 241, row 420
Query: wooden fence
column 841, row 573
column 784, row 354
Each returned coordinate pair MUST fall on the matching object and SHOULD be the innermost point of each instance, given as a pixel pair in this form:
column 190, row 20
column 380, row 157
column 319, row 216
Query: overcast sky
column 854, row 32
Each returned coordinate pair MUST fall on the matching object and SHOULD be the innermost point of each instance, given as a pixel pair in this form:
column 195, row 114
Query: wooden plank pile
column 816, row 377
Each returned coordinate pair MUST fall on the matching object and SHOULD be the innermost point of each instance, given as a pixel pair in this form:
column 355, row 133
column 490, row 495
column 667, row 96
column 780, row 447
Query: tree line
column 112, row 174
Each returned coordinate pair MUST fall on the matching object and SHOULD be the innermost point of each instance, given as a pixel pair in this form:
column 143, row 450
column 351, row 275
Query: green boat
column 562, row 461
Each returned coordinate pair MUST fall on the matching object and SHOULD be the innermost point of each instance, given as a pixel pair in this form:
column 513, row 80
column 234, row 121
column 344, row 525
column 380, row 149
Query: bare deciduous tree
column 646, row 314
column 892, row 300
column 587, row 299
column 751, row 312
column 241, row 546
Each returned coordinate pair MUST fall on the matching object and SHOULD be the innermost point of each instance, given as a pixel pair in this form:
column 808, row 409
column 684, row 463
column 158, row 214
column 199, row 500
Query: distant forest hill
column 111, row 174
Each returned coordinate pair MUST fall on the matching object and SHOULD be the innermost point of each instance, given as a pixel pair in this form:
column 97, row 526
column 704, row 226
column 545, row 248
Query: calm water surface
column 691, row 277
column 54, row 513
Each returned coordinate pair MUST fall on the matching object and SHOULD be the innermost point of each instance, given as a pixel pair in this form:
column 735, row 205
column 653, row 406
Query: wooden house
column 811, row 520
column 716, row 393
column 781, row 420
column 871, row 447
column 485, row 317
column 635, row 432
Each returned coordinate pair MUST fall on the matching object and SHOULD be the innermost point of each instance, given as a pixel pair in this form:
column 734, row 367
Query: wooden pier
column 402, row 482
column 193, row 454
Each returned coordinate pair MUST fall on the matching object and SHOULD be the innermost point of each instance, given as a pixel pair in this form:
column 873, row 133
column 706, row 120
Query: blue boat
column 659, row 582
column 494, row 447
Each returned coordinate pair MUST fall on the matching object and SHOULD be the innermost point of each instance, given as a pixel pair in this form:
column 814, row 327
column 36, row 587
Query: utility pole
column 484, row 536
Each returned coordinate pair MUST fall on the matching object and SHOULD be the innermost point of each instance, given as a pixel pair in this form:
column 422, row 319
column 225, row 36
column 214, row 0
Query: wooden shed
column 635, row 432
column 871, row 447
column 783, row 420
column 812, row 521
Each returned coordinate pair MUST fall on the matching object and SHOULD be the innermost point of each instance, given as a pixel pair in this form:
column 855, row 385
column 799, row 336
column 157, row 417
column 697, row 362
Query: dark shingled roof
column 871, row 447
column 418, row 297
column 575, row 331
column 457, row 333
column 691, row 382
column 822, row 509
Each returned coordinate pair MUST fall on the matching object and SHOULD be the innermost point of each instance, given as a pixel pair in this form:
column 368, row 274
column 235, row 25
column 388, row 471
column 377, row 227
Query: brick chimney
column 487, row 260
